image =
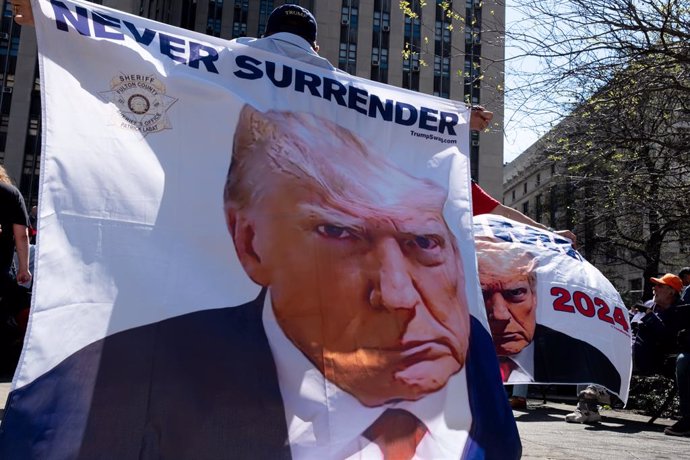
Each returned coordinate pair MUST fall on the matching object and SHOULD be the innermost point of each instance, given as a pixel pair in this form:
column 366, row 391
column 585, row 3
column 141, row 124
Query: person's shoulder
column 9, row 190
column 245, row 40
column 681, row 314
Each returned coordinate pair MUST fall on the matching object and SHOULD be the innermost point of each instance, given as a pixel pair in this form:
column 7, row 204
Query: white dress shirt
column 524, row 372
column 325, row 422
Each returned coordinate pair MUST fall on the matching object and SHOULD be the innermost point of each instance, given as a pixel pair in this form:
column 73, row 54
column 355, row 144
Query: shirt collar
column 525, row 363
column 326, row 422
column 293, row 39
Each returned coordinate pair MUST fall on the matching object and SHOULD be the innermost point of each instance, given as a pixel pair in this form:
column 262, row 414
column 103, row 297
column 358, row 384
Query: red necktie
column 397, row 433
column 507, row 366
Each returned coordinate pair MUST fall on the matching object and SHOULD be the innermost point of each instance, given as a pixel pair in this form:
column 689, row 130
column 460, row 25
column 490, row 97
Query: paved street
column 621, row 435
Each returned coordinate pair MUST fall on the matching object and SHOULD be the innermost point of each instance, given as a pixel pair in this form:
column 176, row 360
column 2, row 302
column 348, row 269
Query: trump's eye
column 515, row 295
column 423, row 242
column 335, row 231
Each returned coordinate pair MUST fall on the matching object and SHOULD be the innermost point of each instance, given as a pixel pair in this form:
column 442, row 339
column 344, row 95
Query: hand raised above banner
column 480, row 118
column 567, row 234
column 22, row 12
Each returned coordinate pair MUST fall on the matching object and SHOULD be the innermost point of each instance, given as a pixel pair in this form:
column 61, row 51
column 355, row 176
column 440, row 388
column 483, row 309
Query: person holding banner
column 528, row 351
column 291, row 31
column 483, row 203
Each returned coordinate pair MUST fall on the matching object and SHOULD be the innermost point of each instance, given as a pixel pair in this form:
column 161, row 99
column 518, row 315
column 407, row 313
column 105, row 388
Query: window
column 380, row 39
column 525, row 208
column 215, row 17
column 265, row 8
column 188, row 17
column 473, row 21
column 347, row 53
column 239, row 20
column 349, row 19
column 524, row 187
column 441, row 66
column 635, row 284
column 441, row 32
column 412, row 35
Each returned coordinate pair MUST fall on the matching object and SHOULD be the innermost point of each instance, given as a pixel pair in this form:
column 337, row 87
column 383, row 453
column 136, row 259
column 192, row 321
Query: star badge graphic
column 141, row 102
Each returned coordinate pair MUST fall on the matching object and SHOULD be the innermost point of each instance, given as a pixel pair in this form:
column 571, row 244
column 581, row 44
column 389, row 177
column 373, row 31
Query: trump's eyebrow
column 413, row 225
column 330, row 214
column 404, row 220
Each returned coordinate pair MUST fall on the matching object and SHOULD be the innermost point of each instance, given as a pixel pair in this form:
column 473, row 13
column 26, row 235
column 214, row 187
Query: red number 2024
column 584, row 305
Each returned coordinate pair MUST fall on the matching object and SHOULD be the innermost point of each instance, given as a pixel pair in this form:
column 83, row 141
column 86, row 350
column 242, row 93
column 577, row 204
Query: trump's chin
column 426, row 377
column 377, row 385
column 510, row 348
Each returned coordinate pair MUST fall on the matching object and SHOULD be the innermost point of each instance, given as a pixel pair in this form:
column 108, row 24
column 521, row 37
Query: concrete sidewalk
column 620, row 435
column 545, row 435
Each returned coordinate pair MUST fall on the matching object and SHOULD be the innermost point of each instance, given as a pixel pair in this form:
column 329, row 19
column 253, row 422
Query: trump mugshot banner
column 553, row 316
column 246, row 256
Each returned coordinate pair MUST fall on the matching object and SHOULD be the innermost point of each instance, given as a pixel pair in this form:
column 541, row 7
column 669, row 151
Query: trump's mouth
column 508, row 337
column 424, row 351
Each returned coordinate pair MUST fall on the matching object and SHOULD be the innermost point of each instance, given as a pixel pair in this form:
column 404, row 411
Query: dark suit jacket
column 559, row 358
column 197, row 386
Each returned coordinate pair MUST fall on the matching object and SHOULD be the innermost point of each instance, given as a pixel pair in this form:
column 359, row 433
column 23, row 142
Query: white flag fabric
column 243, row 255
column 553, row 316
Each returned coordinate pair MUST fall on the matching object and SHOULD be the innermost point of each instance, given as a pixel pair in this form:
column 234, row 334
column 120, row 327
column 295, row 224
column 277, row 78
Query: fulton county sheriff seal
column 141, row 102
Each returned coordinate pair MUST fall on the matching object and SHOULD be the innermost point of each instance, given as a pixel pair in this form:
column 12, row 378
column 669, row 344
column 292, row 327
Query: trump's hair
column 316, row 153
column 501, row 259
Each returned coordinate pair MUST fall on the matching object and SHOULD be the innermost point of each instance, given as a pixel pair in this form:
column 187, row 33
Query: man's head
column 295, row 20
column 666, row 290
column 508, row 285
column 364, row 275
column 684, row 275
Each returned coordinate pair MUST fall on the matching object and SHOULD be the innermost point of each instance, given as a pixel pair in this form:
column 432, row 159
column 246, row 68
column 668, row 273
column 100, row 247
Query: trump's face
column 368, row 291
column 510, row 306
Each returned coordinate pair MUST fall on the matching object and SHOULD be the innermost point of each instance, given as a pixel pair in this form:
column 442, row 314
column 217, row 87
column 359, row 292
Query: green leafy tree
column 625, row 166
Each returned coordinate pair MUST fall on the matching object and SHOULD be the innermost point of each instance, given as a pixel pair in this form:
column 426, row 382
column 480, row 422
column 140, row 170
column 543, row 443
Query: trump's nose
column 394, row 287
column 497, row 307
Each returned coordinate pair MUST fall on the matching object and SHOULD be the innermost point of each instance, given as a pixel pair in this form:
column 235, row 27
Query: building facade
column 366, row 38
column 541, row 188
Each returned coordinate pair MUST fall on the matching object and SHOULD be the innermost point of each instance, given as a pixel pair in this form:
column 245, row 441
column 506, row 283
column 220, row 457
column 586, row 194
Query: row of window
column 537, row 183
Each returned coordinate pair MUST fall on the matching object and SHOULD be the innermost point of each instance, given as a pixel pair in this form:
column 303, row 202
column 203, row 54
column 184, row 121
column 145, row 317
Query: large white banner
column 553, row 316
column 246, row 256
